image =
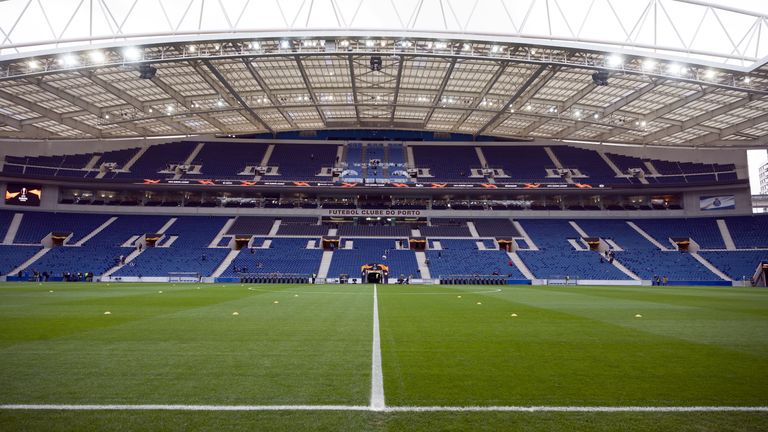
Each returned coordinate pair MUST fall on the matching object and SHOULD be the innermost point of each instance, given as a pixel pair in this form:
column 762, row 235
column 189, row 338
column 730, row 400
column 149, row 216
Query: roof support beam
column 483, row 93
column 87, row 106
column 439, row 95
column 666, row 109
column 186, row 104
column 712, row 137
column 561, row 108
column 649, row 139
column 229, row 93
column 311, row 91
column 51, row 114
column 263, row 84
column 27, row 130
column 353, row 80
column 397, row 89
column 134, row 102
column 523, row 93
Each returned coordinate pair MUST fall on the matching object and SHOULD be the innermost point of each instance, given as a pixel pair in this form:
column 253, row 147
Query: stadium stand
column 224, row 160
column 35, row 226
column 447, row 163
column 157, row 158
column 704, row 231
column 445, row 228
column 100, row 253
column 284, row 256
column 738, row 265
column 462, row 257
column 644, row 258
column 301, row 226
column 556, row 258
column 13, row 256
column 347, row 230
column 588, row 162
column 749, row 232
column 252, row 225
column 495, row 228
column 370, row 251
column 189, row 252
column 460, row 254
column 5, row 222
column 302, row 162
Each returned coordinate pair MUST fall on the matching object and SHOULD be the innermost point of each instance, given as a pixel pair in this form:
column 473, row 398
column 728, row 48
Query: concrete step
column 275, row 227
column 222, row 232
column 225, row 263
column 711, row 267
column 625, row 270
column 131, row 256
column 421, row 260
column 325, row 265
column 578, row 229
column 13, row 228
column 29, row 262
column 726, row 234
column 553, row 158
column 647, row 236
column 518, row 262
column 93, row 233
column 521, row 230
column 472, row 229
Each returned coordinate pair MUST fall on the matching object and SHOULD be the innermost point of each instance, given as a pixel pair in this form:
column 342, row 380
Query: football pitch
column 358, row 357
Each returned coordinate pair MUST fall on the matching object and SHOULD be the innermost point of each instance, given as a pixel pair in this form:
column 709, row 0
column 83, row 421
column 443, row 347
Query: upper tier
column 369, row 163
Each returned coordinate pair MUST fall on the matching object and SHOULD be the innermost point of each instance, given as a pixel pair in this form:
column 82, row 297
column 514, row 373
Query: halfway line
column 377, row 377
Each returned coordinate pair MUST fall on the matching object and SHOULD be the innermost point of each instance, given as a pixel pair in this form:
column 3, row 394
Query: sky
column 755, row 159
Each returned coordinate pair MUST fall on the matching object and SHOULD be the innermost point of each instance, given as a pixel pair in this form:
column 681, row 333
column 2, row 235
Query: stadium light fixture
column 69, row 60
column 614, row 61
column 495, row 48
column 596, row 116
column 369, row 43
column 643, row 123
column 344, row 43
column 33, row 65
column 256, row 45
column 466, row 47
column 383, row 43
column 709, row 74
column 441, row 45
column 192, row 48
column 747, row 80
column 649, row 64
column 676, row 69
column 132, row 54
column 285, row 44
column 97, row 56
column 220, row 103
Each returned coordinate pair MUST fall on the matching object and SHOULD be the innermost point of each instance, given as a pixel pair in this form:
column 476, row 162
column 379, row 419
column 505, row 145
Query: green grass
column 566, row 346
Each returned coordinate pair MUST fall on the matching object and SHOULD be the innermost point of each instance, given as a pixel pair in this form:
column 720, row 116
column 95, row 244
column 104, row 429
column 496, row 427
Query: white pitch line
column 377, row 377
column 520, row 409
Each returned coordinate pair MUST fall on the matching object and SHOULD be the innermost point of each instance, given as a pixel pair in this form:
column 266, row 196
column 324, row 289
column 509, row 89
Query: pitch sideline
column 390, row 409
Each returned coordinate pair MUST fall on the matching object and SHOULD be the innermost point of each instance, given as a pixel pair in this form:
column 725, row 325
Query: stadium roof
column 681, row 72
